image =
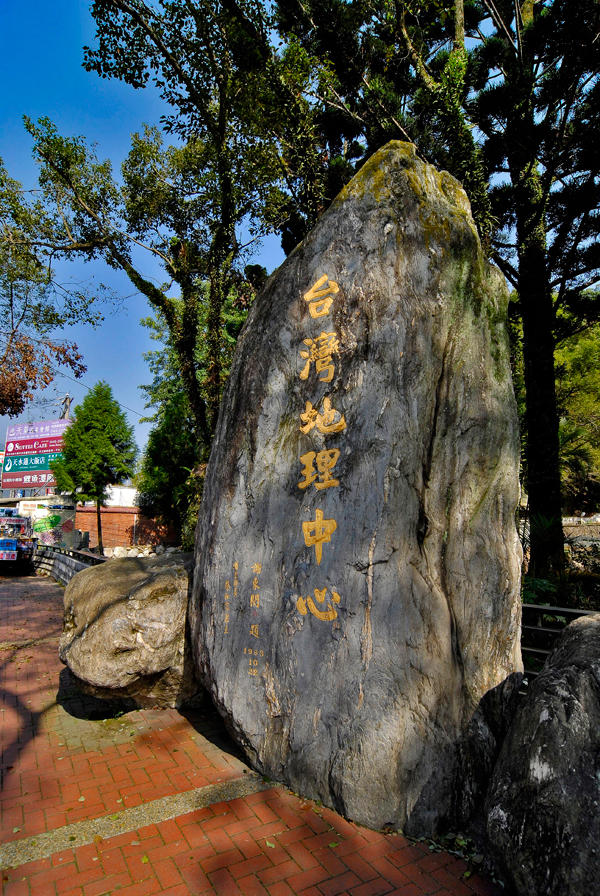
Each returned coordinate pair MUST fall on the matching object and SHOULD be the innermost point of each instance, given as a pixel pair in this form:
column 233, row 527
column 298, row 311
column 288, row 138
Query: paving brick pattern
column 67, row 758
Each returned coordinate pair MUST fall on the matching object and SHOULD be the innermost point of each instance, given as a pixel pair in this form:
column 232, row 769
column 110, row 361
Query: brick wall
column 123, row 526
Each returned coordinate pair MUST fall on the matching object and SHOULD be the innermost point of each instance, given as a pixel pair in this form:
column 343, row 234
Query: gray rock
column 125, row 631
column 160, row 549
column 356, row 591
column 133, row 552
column 119, row 552
column 543, row 803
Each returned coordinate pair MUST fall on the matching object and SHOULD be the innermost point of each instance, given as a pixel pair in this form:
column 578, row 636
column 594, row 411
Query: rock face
column 356, row 589
column 124, row 631
column 543, row 803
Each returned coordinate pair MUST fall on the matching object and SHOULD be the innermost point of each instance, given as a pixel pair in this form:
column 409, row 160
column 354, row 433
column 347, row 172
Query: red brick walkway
column 67, row 758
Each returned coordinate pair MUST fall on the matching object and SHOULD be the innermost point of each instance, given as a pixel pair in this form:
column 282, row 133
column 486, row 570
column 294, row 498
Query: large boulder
column 543, row 804
column 125, row 631
column 356, row 590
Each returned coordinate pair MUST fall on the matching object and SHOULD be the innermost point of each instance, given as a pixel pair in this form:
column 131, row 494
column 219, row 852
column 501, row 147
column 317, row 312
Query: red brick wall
column 123, row 526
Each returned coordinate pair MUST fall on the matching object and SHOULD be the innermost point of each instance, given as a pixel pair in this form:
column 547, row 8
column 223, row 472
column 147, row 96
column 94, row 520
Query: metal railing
column 541, row 628
column 63, row 563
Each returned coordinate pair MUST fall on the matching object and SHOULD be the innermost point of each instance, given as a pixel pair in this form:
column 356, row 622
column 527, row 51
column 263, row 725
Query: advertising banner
column 15, row 525
column 56, row 529
column 21, row 479
column 33, row 446
column 43, row 429
column 30, row 449
column 28, row 462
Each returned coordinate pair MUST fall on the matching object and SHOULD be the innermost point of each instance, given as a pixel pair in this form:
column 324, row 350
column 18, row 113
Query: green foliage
column 171, row 452
column 98, row 448
column 578, row 391
column 171, row 473
column 535, row 590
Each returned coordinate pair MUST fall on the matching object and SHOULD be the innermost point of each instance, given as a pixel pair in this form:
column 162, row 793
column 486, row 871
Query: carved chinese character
column 257, row 568
column 327, row 615
column 318, row 532
column 319, row 296
column 255, row 600
column 321, row 352
column 326, row 461
column 255, row 582
column 227, row 585
column 324, row 421
column 254, row 631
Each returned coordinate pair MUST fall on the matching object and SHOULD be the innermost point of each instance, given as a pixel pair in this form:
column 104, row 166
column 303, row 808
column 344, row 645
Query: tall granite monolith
column 356, row 589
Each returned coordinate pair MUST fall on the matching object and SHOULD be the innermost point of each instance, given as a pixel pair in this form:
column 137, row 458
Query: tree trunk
column 541, row 416
column 537, row 314
column 99, row 521
column 543, row 472
column 221, row 253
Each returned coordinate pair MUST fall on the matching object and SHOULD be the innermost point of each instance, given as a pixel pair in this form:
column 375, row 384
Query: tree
column 165, row 205
column 247, row 155
column 33, row 303
column 98, row 450
column 503, row 93
column 171, row 473
column 166, row 480
column 578, row 396
column 233, row 99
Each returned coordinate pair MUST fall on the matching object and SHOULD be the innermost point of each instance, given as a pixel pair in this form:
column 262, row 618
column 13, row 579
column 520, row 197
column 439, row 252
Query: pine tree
column 98, row 450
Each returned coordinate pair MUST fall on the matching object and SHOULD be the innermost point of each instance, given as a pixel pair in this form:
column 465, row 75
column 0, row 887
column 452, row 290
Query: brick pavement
column 69, row 760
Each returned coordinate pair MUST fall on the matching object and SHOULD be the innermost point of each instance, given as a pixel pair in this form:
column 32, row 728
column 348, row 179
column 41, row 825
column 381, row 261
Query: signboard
column 56, row 528
column 8, row 555
column 15, row 525
column 42, row 430
column 28, row 462
column 33, row 446
column 8, row 544
column 20, row 479
column 30, row 449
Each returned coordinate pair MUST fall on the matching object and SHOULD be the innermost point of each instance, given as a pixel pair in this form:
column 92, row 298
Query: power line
column 89, row 388
column 57, row 372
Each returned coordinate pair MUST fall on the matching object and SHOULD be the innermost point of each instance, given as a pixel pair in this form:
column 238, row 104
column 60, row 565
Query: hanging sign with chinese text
column 30, row 449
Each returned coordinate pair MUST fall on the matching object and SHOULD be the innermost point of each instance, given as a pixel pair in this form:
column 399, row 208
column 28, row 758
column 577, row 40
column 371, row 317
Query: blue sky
column 41, row 51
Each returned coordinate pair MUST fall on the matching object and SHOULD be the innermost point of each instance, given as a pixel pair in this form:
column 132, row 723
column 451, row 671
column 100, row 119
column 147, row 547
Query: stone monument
column 356, row 588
